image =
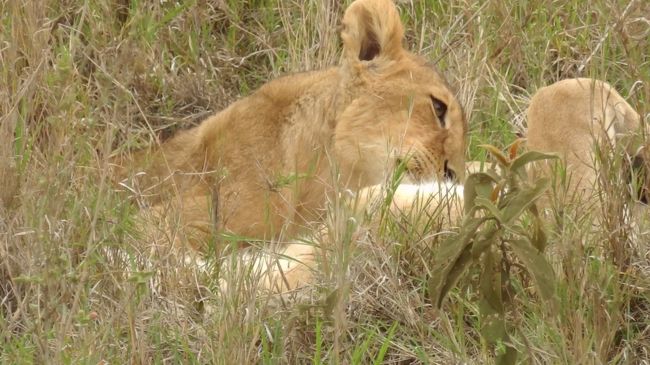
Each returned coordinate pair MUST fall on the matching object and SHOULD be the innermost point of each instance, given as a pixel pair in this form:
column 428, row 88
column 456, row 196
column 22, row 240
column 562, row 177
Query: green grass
column 81, row 81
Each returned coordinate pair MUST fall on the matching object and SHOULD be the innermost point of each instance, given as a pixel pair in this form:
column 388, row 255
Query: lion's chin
column 431, row 188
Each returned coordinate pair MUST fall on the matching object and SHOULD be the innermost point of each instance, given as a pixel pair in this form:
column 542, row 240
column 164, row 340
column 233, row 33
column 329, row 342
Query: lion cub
column 265, row 166
column 573, row 117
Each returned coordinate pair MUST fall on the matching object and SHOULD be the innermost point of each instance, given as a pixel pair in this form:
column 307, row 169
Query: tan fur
column 264, row 166
column 571, row 116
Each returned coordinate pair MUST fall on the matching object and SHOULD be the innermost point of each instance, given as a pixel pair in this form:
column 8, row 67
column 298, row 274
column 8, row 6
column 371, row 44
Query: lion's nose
column 449, row 174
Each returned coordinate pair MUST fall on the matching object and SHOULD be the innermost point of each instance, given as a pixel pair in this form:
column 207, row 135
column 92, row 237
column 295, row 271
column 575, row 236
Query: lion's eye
column 440, row 109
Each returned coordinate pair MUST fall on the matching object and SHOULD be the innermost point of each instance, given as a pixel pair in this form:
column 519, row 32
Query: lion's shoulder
column 291, row 87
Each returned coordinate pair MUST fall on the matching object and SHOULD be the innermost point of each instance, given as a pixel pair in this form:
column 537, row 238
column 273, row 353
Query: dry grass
column 83, row 81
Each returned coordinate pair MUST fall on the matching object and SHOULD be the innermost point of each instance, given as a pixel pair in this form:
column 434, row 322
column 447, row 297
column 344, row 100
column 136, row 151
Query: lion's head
column 403, row 110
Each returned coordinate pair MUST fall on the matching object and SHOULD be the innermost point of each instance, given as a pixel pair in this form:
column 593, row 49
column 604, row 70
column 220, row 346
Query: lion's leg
column 271, row 270
column 291, row 266
column 290, row 269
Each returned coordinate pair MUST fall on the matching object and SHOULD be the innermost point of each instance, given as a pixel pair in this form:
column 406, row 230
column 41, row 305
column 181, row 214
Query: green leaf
column 491, row 208
column 538, row 239
column 360, row 351
column 529, row 157
column 477, row 184
column 384, row 346
column 492, row 311
column 484, row 239
column 523, row 198
column 490, row 288
column 319, row 342
column 538, row 267
column 454, row 273
column 29, row 279
column 452, row 260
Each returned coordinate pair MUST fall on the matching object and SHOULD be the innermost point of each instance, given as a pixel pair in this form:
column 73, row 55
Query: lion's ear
column 372, row 29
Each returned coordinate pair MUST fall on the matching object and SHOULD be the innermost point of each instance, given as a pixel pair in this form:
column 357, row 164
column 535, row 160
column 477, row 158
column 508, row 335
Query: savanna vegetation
column 84, row 81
